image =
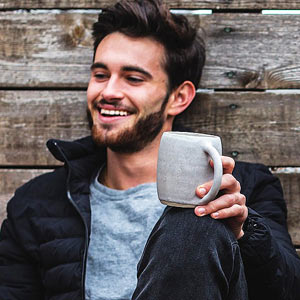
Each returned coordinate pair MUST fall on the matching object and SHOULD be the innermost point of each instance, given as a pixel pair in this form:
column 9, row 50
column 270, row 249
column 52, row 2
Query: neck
column 124, row 170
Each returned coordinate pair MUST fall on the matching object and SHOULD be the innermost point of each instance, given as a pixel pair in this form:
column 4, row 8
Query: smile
column 109, row 112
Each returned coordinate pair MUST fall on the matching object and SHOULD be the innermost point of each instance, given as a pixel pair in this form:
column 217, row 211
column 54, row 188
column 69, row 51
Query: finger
column 225, row 201
column 228, row 184
column 203, row 189
column 237, row 211
column 235, row 217
column 228, row 164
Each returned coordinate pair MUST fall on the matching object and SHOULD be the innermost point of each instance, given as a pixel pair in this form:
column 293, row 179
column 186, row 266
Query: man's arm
column 19, row 277
column 271, row 262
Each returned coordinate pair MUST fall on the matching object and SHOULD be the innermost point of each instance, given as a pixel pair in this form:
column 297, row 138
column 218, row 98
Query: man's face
column 127, row 92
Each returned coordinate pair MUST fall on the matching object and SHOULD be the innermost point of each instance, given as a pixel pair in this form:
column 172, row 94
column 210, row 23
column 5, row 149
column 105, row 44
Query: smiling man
column 95, row 229
column 128, row 93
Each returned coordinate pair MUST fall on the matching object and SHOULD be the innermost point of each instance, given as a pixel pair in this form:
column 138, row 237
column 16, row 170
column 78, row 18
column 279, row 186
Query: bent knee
column 181, row 228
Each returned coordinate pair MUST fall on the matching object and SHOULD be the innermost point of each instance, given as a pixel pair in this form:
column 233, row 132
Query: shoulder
column 43, row 184
column 245, row 170
column 42, row 190
column 255, row 177
column 263, row 190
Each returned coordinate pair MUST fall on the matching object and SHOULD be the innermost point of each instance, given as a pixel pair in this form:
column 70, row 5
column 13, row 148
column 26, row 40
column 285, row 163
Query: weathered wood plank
column 29, row 118
column 11, row 179
column 244, row 50
column 45, row 49
column 258, row 127
column 200, row 4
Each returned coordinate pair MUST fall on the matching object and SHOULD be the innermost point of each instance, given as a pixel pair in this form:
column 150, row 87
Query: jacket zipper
column 84, row 223
column 85, row 245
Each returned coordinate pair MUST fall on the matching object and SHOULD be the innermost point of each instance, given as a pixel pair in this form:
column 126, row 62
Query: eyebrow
column 100, row 65
column 137, row 69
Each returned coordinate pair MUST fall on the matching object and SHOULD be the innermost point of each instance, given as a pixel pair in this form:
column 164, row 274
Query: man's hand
column 230, row 205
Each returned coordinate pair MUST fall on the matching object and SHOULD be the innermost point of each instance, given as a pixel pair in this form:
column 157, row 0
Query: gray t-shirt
column 122, row 221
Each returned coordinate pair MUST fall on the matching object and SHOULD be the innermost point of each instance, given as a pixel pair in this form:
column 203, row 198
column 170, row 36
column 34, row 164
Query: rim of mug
column 183, row 133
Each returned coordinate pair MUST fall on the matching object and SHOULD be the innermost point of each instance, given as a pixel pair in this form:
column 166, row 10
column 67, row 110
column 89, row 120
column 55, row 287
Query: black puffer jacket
column 44, row 240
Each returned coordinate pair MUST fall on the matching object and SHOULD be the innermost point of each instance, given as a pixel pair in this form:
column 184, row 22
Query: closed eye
column 100, row 76
column 134, row 79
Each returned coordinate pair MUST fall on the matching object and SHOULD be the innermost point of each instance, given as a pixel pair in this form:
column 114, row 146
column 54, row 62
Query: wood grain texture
column 11, row 179
column 256, row 127
column 29, row 118
column 212, row 4
column 243, row 50
column 45, row 49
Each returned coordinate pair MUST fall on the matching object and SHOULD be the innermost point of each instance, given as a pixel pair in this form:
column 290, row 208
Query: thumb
column 203, row 189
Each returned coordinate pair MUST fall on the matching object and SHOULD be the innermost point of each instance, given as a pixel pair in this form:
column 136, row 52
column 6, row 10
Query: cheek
column 151, row 98
column 157, row 99
column 92, row 93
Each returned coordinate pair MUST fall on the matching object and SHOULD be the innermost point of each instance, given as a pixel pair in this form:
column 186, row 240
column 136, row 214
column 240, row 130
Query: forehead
column 117, row 49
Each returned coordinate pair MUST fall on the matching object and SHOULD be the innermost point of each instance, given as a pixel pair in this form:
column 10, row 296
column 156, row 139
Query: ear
column 181, row 98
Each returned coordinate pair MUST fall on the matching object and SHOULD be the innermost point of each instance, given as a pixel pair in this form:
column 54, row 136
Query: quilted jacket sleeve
column 19, row 277
column 272, row 265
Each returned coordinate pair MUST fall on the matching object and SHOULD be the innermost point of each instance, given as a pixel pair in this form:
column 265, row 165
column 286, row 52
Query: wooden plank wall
column 249, row 95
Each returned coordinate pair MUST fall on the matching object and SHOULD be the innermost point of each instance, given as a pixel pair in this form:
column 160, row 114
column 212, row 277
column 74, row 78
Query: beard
column 132, row 139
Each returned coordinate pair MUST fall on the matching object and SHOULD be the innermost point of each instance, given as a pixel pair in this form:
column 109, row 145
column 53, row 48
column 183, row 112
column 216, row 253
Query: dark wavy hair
column 184, row 48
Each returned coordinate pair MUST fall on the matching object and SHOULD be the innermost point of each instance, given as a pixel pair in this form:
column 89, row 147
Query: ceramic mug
column 183, row 165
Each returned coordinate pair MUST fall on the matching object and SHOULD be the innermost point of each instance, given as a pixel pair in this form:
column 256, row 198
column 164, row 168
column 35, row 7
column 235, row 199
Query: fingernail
column 202, row 191
column 200, row 211
column 215, row 215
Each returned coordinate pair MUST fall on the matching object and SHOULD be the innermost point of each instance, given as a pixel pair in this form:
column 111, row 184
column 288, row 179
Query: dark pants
column 189, row 257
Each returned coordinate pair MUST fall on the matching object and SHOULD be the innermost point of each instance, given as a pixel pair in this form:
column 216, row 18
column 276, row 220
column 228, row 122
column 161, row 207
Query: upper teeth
column 114, row 112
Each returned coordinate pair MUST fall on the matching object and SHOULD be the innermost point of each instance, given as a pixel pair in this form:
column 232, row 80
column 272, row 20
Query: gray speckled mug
column 183, row 164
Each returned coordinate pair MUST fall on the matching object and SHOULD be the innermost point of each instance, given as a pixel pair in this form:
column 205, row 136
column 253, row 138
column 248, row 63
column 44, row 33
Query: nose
column 112, row 90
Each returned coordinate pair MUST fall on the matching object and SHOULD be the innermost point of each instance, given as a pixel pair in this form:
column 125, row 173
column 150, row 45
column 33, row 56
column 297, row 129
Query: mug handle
column 218, row 173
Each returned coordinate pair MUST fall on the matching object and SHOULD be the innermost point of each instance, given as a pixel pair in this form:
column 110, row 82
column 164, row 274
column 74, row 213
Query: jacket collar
column 82, row 159
column 71, row 150
column 65, row 151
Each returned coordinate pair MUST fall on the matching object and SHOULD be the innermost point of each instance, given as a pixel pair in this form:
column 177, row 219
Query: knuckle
column 229, row 178
column 239, row 209
column 235, row 210
column 238, row 185
column 232, row 182
column 231, row 200
column 232, row 161
column 228, row 163
column 242, row 210
column 237, row 198
column 243, row 199
column 212, row 206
